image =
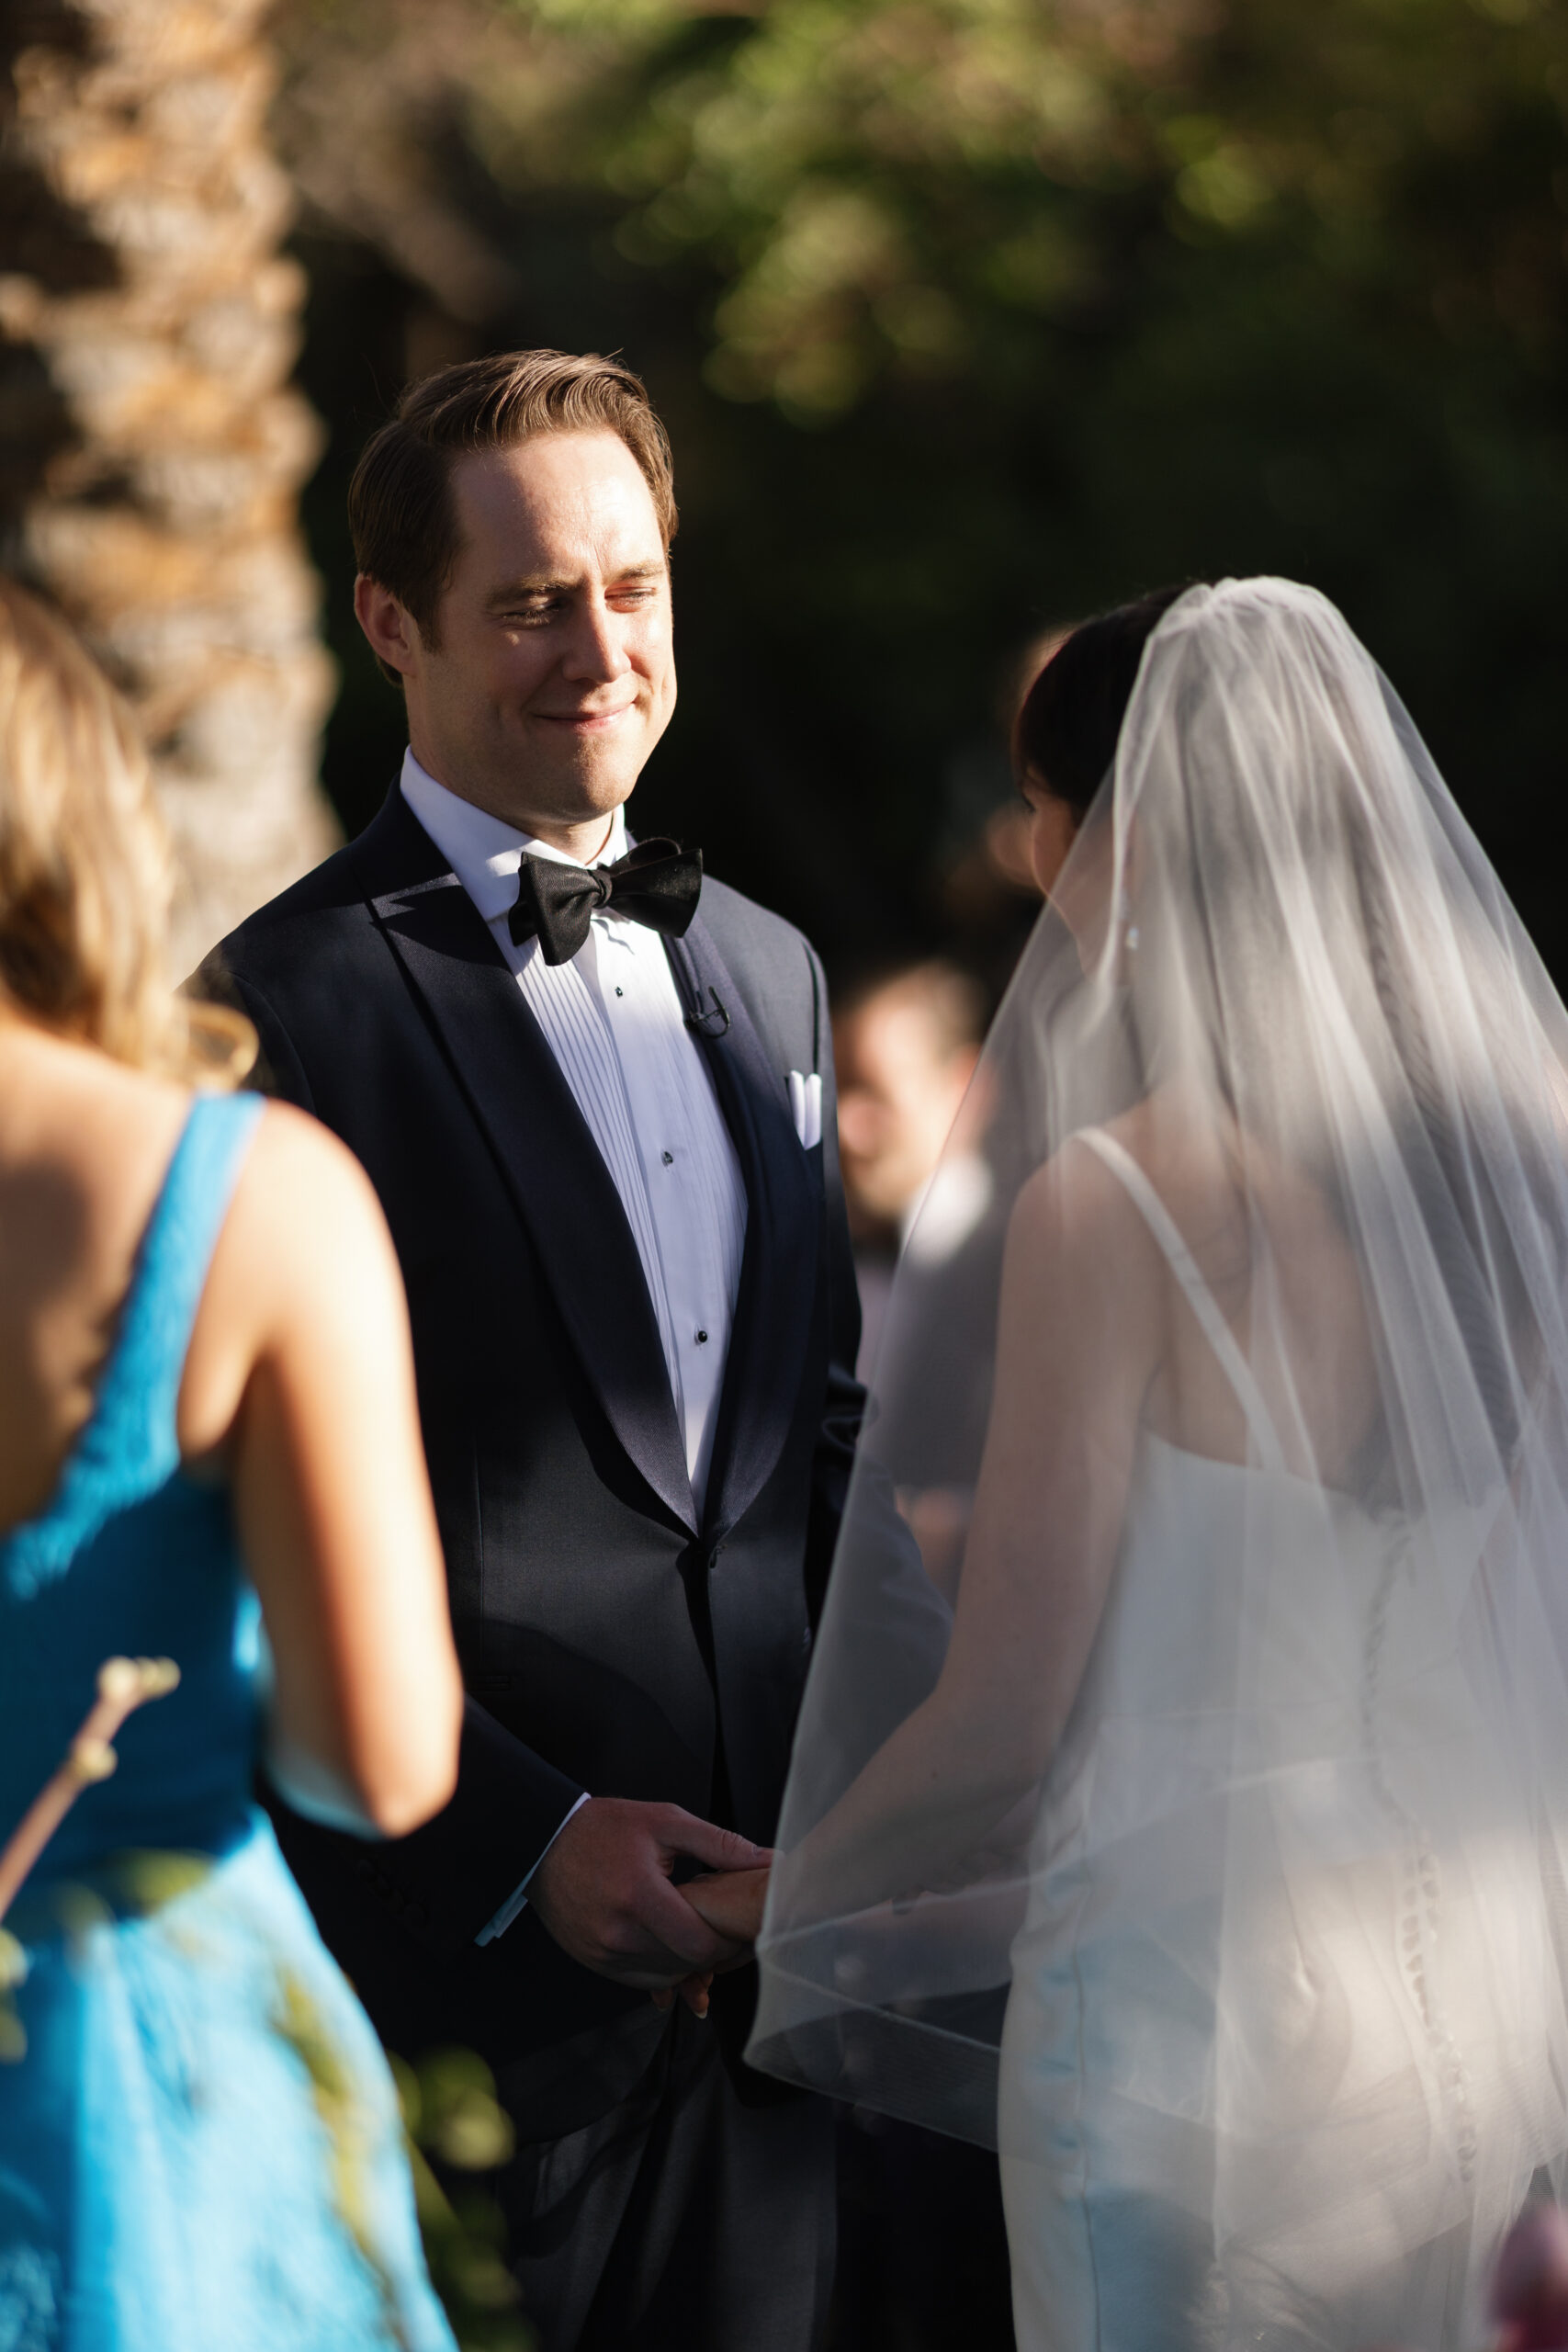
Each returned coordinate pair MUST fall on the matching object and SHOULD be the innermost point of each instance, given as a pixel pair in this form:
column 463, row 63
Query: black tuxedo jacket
column 610, row 1641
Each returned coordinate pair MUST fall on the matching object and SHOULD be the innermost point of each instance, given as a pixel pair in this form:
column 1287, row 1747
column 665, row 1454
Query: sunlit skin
column 552, row 673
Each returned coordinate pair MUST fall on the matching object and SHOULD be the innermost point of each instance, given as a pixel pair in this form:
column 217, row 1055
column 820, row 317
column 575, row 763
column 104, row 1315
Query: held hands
column 731, row 1901
column 604, row 1891
column 731, row 1904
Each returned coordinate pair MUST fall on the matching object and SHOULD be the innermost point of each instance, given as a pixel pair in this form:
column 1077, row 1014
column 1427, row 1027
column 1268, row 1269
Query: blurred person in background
column 921, row 1197
column 206, row 1398
column 905, row 1046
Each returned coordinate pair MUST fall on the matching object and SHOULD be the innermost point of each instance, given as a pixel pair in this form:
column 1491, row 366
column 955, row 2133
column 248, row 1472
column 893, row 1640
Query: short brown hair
column 400, row 508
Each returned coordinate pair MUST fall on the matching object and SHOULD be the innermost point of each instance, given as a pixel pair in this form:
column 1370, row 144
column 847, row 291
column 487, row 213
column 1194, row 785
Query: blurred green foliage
column 915, row 188
column 968, row 316
column 457, row 2135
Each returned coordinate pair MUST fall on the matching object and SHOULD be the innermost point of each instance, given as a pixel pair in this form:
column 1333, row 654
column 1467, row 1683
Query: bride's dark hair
column 1068, row 721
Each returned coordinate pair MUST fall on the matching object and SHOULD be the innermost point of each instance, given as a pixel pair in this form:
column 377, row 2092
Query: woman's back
column 126, row 1554
column 84, row 1147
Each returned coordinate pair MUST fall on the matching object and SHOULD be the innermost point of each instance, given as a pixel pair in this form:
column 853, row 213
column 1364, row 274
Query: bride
column 1205, row 1851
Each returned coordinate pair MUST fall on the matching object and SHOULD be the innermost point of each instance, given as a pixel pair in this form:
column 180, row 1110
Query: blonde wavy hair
column 86, row 872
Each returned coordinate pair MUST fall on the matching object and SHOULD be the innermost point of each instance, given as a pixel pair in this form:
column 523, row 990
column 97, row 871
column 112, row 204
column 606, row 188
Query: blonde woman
column 206, row 1404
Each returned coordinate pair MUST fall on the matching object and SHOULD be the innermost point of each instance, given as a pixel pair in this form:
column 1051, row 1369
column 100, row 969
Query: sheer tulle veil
column 1258, row 1907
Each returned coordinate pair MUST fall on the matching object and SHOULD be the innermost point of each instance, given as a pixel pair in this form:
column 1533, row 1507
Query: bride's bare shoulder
column 1078, row 1207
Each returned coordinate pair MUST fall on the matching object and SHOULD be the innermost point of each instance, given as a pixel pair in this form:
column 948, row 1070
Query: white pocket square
column 806, row 1106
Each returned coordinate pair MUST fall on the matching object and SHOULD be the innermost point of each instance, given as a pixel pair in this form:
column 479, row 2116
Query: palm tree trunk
column 152, row 450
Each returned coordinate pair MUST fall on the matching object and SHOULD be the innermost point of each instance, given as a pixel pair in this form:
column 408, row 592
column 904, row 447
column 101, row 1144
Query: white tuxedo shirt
column 614, row 1019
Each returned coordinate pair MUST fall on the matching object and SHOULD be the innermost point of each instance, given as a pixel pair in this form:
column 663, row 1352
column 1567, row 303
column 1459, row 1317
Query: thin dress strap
column 129, row 1446
column 1196, row 1291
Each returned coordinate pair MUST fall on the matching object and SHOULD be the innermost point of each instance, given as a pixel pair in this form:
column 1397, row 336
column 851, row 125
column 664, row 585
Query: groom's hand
column 604, row 1891
column 731, row 1902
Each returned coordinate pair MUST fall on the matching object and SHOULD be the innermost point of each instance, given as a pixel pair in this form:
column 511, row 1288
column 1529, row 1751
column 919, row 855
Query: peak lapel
column 778, row 1270
column 548, row 1158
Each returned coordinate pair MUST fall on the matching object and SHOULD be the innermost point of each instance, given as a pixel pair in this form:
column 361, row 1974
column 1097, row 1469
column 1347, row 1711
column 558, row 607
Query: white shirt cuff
column 518, row 1899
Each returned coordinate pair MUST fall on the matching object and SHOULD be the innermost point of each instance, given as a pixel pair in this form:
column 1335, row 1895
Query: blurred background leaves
column 458, row 2135
column 968, row 316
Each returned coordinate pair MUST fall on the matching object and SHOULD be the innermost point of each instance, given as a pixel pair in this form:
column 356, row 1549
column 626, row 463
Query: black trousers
column 922, row 2245
column 684, row 2216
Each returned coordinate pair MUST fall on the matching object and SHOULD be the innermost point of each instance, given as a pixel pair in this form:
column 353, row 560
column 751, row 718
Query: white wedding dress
column 1206, row 1852
column 1329, row 2047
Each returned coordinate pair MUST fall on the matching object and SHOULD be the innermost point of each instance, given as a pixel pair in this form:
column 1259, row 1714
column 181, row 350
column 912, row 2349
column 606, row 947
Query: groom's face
column 553, row 673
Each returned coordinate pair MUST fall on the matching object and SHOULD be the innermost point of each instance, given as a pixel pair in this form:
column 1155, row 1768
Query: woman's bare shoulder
column 83, row 1143
column 1074, row 1189
column 1073, row 1227
column 49, row 1079
column 303, row 1259
column 302, row 1202
column 292, row 1149
column 1184, row 1150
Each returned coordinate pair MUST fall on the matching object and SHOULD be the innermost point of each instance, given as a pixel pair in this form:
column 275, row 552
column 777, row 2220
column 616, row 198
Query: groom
column 594, row 1091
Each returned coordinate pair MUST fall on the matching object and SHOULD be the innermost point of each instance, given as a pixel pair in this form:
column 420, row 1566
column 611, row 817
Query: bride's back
column 1238, row 1208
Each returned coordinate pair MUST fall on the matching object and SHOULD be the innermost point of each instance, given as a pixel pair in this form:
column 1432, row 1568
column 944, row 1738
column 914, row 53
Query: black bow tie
column 658, row 883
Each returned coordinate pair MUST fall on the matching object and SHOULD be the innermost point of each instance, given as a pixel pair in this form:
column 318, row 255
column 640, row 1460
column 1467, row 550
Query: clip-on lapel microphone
column 710, row 1024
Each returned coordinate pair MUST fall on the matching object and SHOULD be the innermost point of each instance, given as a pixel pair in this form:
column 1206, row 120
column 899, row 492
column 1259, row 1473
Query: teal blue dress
column 199, row 2143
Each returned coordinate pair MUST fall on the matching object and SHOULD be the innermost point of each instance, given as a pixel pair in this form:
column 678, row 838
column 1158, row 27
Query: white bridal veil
column 1193, row 1821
